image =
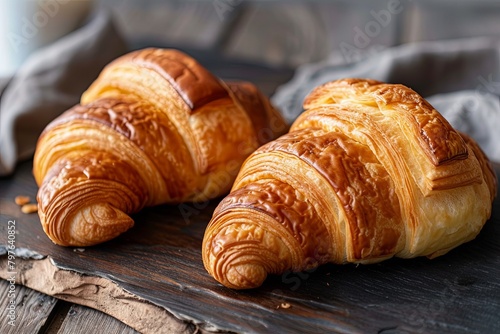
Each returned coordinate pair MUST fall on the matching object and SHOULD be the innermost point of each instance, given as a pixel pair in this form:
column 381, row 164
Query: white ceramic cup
column 26, row 25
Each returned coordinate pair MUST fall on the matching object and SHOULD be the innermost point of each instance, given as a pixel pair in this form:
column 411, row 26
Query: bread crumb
column 22, row 200
column 29, row 208
column 79, row 250
column 285, row 305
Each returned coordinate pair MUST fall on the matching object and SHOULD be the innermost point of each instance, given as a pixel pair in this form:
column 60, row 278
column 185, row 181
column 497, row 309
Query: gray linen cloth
column 51, row 81
column 460, row 78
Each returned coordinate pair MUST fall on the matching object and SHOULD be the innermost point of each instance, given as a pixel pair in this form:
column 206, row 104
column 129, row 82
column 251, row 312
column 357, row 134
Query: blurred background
column 276, row 33
column 289, row 33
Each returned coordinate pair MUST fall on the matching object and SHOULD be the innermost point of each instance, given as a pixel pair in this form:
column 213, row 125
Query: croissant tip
column 245, row 276
column 94, row 224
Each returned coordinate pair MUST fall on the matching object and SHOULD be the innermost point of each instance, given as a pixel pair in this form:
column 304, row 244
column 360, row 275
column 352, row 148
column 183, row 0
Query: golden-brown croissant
column 369, row 171
column 155, row 127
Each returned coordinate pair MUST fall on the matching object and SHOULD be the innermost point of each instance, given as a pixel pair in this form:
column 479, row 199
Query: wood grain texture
column 57, row 317
column 81, row 319
column 159, row 260
column 32, row 309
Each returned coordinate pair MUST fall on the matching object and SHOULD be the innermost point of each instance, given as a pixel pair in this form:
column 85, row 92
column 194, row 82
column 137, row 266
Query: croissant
column 368, row 172
column 155, row 127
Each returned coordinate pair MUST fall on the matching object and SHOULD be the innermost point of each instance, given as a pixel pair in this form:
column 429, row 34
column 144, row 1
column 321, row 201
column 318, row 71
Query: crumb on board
column 24, row 203
column 79, row 250
column 22, row 200
column 29, row 208
column 284, row 305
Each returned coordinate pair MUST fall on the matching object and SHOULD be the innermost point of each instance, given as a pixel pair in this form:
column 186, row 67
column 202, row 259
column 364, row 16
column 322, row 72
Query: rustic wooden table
column 152, row 278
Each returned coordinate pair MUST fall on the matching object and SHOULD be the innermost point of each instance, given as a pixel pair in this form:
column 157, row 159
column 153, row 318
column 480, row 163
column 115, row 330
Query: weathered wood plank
column 99, row 293
column 29, row 311
column 57, row 317
column 84, row 320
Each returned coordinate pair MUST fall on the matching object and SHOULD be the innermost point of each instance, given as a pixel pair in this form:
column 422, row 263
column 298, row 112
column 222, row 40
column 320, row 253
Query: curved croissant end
column 369, row 171
column 155, row 127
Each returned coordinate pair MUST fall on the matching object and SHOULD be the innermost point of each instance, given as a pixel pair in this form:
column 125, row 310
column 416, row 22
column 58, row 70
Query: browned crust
column 366, row 194
column 135, row 120
column 438, row 139
column 280, row 201
column 267, row 122
column 489, row 174
column 195, row 84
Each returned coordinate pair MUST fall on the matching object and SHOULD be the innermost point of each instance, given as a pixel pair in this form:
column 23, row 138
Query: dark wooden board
column 160, row 260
